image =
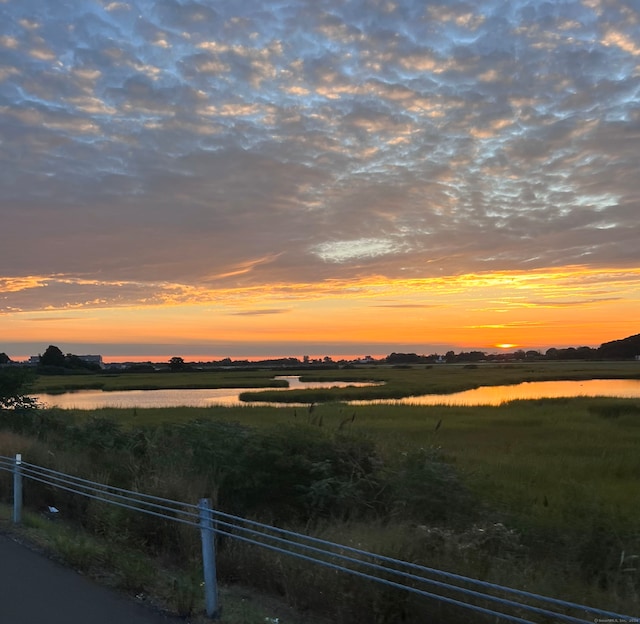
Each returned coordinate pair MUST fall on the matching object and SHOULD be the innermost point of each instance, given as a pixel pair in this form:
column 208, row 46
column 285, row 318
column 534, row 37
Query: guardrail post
column 17, row 490
column 208, row 558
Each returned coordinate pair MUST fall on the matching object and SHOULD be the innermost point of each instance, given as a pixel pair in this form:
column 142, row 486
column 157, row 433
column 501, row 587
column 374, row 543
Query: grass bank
column 53, row 384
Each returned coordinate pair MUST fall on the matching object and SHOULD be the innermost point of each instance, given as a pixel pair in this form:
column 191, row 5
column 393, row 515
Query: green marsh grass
column 155, row 381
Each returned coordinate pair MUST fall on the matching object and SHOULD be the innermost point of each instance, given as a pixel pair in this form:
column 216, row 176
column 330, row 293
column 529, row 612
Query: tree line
column 625, row 349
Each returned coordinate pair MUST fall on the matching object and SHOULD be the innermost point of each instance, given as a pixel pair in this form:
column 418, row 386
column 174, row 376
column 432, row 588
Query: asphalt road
column 36, row 590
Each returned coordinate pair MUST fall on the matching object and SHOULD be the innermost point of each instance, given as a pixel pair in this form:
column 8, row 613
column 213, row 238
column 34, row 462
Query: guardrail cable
column 423, row 569
column 114, row 494
column 340, row 557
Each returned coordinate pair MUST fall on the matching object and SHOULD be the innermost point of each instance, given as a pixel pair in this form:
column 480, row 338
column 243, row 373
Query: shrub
column 424, row 487
column 301, row 473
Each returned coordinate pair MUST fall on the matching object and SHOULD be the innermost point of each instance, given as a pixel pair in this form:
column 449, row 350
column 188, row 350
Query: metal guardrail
column 506, row 603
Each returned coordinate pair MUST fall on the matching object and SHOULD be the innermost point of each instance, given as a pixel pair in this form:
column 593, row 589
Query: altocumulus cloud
column 152, row 147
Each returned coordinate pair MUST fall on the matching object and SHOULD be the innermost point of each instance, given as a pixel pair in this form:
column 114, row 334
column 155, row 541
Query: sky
column 289, row 177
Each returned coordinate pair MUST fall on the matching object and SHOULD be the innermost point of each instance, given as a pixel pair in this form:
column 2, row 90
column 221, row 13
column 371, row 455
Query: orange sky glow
column 494, row 311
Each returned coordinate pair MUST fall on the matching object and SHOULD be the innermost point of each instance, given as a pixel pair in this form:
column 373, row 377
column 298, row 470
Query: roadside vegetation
column 539, row 495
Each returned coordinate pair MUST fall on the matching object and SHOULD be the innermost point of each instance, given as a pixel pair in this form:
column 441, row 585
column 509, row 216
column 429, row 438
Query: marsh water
column 485, row 395
column 95, row 399
column 495, row 395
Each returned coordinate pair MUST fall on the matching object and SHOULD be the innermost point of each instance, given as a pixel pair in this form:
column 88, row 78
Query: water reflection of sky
column 486, row 395
column 96, row 399
column 495, row 395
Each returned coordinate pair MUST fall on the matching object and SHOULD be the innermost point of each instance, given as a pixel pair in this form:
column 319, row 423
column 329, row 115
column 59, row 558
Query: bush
column 426, row 488
column 302, row 473
column 13, row 384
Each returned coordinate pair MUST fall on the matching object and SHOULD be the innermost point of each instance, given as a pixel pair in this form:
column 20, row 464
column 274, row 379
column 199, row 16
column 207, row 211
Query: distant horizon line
column 190, row 357
column 117, row 352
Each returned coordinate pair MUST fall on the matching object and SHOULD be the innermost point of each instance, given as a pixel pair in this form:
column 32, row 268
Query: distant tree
column 143, row 367
column 569, row 353
column 176, row 363
column 73, row 361
column 52, row 357
column 4, row 359
column 13, row 385
column 586, row 353
column 403, row 358
column 620, row 349
column 471, row 356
